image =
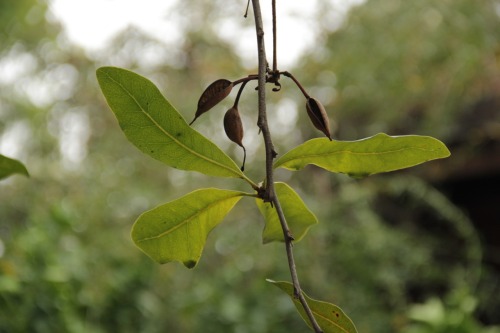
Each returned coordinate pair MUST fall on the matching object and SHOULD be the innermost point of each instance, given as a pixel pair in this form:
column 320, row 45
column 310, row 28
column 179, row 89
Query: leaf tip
column 101, row 70
column 446, row 151
column 190, row 263
column 100, row 73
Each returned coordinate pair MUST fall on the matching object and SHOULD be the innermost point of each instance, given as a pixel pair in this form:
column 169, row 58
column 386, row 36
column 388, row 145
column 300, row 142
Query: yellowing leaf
column 299, row 218
column 154, row 126
column 329, row 317
column 379, row 153
column 177, row 231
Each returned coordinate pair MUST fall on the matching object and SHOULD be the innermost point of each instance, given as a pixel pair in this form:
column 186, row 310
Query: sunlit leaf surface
column 153, row 125
column 9, row 166
column 330, row 317
column 177, row 231
column 299, row 218
column 379, row 153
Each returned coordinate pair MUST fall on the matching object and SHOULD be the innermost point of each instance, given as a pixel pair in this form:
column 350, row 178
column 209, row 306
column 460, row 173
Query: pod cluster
column 233, row 126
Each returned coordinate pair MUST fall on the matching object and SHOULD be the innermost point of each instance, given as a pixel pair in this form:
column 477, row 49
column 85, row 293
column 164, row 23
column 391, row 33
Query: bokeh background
column 410, row 251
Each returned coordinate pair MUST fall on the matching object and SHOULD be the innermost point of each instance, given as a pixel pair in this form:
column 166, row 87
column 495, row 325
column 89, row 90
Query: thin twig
column 246, row 11
column 275, row 38
column 288, row 74
column 237, row 99
column 293, row 270
column 270, row 194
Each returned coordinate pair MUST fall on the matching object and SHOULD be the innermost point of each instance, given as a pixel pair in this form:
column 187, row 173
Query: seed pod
column 318, row 116
column 234, row 129
column 212, row 95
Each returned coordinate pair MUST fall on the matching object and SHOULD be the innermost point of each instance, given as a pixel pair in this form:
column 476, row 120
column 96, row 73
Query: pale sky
column 91, row 23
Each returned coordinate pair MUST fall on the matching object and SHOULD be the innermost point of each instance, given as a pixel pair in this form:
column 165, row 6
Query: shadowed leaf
column 177, row 231
column 9, row 166
column 299, row 218
column 330, row 317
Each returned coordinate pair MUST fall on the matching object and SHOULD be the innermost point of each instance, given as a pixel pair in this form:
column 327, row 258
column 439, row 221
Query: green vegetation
column 9, row 166
column 380, row 153
column 392, row 250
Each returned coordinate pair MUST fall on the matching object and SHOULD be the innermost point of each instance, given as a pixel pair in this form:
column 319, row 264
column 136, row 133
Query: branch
column 291, row 264
column 262, row 119
column 270, row 195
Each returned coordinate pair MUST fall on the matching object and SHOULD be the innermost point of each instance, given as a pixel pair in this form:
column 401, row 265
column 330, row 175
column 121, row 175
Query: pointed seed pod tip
column 318, row 116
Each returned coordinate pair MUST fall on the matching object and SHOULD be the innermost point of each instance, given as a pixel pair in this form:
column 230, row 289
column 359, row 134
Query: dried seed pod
column 318, row 116
column 212, row 95
column 234, row 129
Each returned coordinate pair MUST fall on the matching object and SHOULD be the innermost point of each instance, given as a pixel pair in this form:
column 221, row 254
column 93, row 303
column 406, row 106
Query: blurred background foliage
column 412, row 251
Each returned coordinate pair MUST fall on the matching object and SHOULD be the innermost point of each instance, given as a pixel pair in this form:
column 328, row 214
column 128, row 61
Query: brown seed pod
column 212, row 95
column 234, row 129
column 318, row 116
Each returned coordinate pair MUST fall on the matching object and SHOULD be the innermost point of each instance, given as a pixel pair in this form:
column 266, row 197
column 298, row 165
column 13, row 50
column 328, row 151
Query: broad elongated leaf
column 177, row 231
column 299, row 218
column 329, row 317
column 9, row 166
column 379, row 153
column 154, row 126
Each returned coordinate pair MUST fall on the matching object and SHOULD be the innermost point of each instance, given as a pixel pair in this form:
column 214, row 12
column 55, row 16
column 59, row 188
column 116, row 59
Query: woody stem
column 270, row 195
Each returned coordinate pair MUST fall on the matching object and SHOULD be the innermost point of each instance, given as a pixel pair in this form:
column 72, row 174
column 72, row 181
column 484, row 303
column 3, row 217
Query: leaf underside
column 177, row 230
column 376, row 154
column 9, row 166
column 154, row 126
column 299, row 218
column 330, row 317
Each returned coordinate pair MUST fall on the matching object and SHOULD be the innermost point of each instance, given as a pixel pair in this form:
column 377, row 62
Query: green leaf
column 299, row 218
column 379, row 153
column 330, row 317
column 154, row 126
column 9, row 166
column 177, row 231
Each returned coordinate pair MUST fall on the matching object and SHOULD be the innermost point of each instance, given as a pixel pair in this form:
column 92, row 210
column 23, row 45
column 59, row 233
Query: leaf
column 379, row 153
column 9, row 166
column 177, row 231
column 330, row 317
column 299, row 218
column 154, row 126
